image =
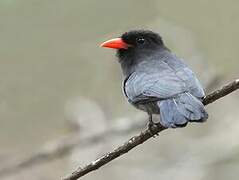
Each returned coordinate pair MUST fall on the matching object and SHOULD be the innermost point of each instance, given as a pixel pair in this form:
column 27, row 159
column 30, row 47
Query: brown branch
column 223, row 91
column 145, row 135
column 63, row 146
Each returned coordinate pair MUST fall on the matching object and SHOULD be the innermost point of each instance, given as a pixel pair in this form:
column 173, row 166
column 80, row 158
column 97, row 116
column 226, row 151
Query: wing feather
column 167, row 83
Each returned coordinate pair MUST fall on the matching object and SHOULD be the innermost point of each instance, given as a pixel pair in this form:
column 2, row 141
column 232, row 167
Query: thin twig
column 64, row 145
column 145, row 135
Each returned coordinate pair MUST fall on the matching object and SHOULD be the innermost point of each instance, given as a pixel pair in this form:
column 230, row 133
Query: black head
column 133, row 46
column 139, row 40
column 135, row 40
column 142, row 39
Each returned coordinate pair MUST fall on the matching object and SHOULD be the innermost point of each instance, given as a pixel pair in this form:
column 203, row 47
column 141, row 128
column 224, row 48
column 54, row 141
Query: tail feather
column 178, row 111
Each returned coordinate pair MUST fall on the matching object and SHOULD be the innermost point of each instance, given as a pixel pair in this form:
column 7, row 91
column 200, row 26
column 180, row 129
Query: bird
column 157, row 81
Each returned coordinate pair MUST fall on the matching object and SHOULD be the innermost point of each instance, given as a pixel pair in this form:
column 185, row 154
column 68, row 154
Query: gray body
column 158, row 82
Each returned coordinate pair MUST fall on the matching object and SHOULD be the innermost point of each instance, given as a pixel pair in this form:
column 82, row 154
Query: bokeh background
column 56, row 82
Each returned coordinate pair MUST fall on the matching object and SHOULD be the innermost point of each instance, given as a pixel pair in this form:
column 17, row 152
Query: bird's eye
column 140, row 40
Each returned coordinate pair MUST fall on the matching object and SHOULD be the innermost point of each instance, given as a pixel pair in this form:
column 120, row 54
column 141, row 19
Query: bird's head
column 134, row 42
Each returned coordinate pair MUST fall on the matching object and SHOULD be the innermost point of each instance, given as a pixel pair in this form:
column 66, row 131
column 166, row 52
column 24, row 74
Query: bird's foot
column 152, row 127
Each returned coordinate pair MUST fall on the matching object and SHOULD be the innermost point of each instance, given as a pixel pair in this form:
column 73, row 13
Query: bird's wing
column 143, row 86
column 192, row 83
column 162, row 85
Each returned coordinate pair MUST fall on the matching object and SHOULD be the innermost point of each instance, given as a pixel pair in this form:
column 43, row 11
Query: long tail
column 178, row 111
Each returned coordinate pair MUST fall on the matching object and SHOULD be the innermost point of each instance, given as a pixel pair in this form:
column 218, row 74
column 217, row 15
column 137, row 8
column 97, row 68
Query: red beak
column 116, row 43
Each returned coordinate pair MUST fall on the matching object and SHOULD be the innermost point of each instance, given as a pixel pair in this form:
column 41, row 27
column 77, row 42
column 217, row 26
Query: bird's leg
column 151, row 125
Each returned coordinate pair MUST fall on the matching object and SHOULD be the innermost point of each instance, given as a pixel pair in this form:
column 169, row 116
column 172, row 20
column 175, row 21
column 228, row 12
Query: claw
column 151, row 127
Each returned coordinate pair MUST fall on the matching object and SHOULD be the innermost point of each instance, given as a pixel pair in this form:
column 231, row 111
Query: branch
column 145, row 135
column 63, row 146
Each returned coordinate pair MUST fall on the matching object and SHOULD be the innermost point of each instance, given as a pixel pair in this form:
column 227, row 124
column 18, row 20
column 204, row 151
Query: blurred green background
column 49, row 54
